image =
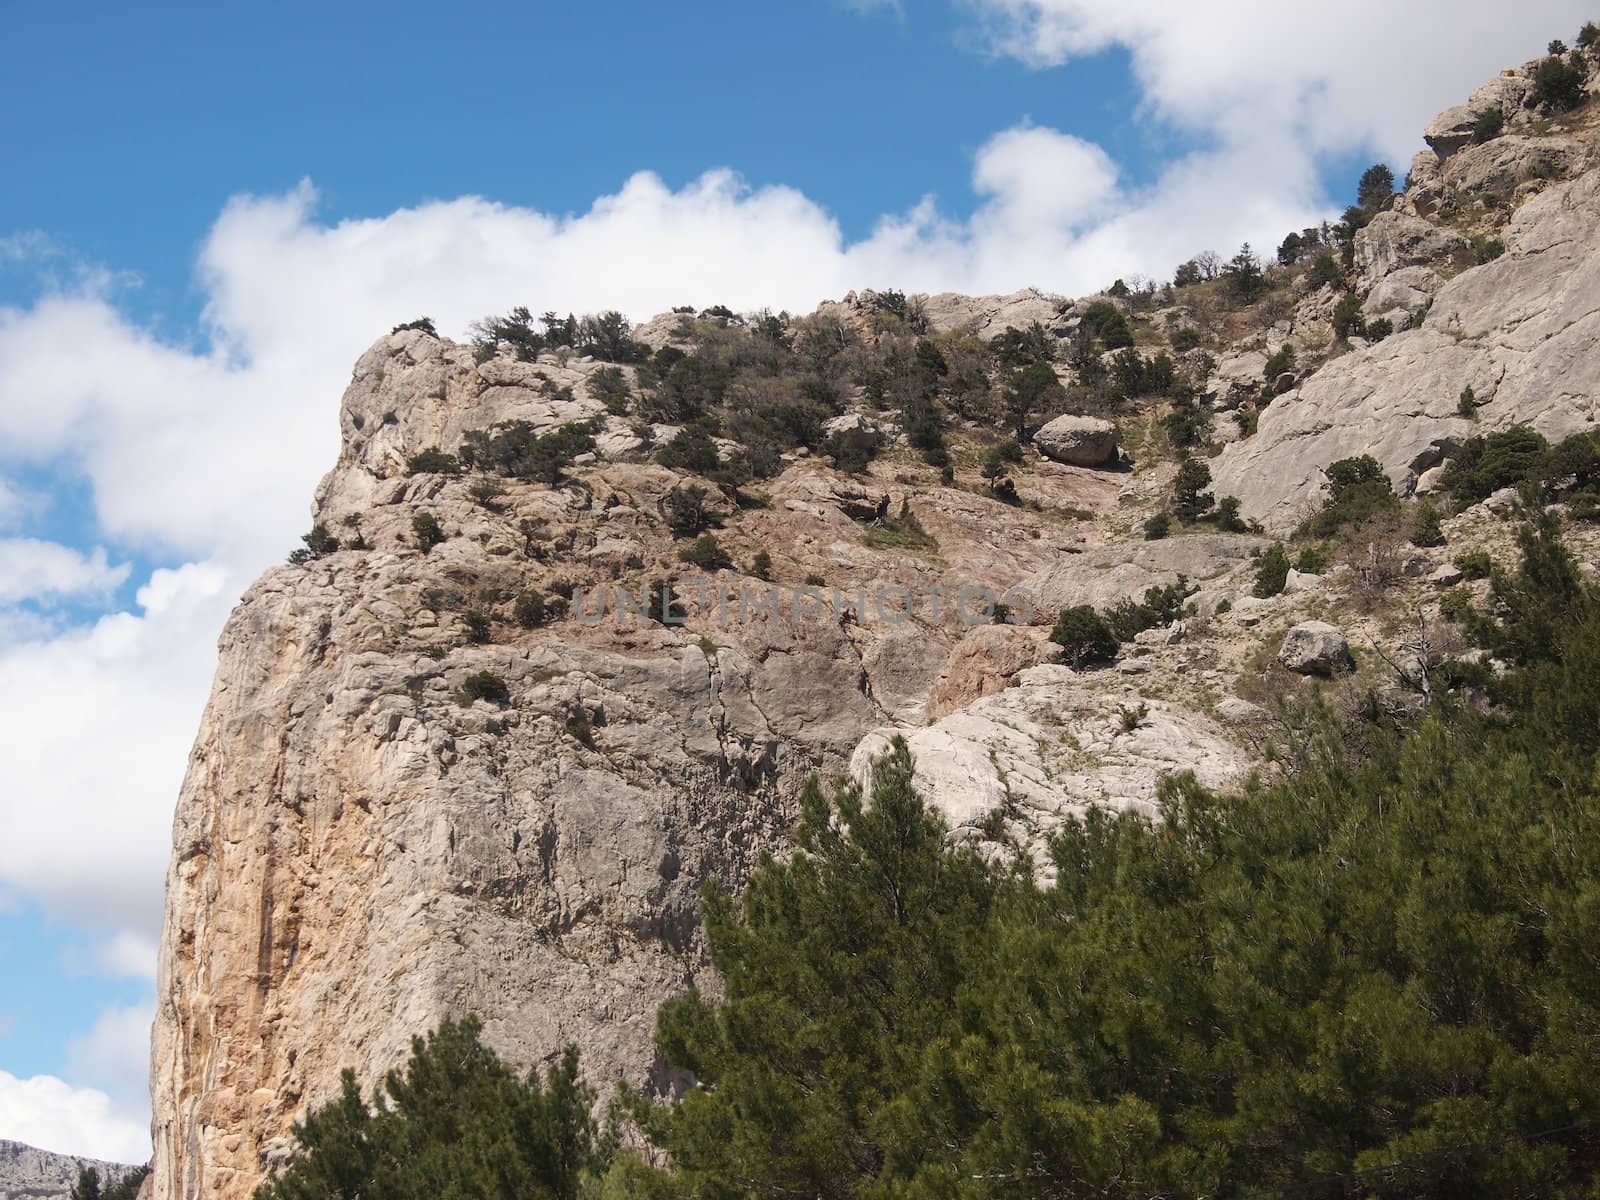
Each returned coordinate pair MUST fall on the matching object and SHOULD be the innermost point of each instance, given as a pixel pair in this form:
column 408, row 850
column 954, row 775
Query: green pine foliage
column 455, row 1124
column 1377, row 978
column 1272, row 572
column 1358, row 490
column 1084, row 637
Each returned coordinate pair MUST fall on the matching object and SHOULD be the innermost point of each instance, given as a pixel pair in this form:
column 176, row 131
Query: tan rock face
column 356, row 855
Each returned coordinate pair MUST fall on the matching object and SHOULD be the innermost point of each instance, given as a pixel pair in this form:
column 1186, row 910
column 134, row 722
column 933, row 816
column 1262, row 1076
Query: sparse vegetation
column 1272, row 572
column 429, row 533
column 317, row 544
column 483, row 685
column 433, row 461
column 706, row 553
column 1084, row 637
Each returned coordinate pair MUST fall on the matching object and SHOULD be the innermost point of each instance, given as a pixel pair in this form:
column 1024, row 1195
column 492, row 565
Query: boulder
column 1445, row 576
column 1078, row 441
column 1315, row 648
column 1393, row 240
column 1240, row 712
column 1401, row 295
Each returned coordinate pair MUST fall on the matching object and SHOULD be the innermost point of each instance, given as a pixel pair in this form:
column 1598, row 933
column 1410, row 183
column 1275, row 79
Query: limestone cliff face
column 357, row 855
column 1522, row 330
column 360, row 851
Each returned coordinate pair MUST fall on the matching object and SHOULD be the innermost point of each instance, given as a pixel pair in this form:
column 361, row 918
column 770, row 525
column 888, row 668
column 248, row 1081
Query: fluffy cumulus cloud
column 203, row 454
column 46, row 1112
column 99, row 721
column 1340, row 75
column 31, row 569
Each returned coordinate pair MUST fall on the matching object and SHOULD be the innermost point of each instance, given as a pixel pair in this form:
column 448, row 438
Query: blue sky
column 210, row 210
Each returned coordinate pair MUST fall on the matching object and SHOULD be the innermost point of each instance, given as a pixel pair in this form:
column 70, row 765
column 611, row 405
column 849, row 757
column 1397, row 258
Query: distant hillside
column 30, row 1174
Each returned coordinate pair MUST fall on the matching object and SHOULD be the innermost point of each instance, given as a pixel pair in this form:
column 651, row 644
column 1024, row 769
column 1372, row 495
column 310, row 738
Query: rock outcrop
column 30, row 1174
column 1522, row 331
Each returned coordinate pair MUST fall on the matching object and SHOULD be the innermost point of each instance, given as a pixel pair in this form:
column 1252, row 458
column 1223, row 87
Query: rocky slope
column 361, row 848
column 30, row 1174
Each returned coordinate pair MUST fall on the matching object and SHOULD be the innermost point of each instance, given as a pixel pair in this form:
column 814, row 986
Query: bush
column 1455, row 606
column 425, row 324
column 455, row 1122
column 1190, row 500
column 479, row 627
column 1272, row 572
column 761, row 565
column 1281, row 362
column 530, row 610
column 901, row 532
column 691, row 449
column 1377, row 330
column 433, row 461
column 1488, row 125
column 1358, row 490
column 429, row 533
column 486, row 492
column 1106, row 321
column 1226, row 518
column 684, row 508
column 1426, row 529
column 610, row 386
column 1484, row 465
column 318, row 542
column 706, row 553
column 1588, row 36
column 1558, row 83
column 1467, row 404
column 1162, row 605
column 1486, row 249
column 1311, row 561
column 1185, row 338
column 1347, row 319
column 516, row 449
column 1157, row 527
column 483, row 685
column 1325, row 270
column 1474, row 564
column 1084, row 637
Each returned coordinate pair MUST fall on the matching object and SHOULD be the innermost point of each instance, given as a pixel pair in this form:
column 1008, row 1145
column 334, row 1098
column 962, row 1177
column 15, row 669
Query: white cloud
column 98, row 724
column 114, row 1055
column 1342, row 75
column 46, row 1112
column 31, row 569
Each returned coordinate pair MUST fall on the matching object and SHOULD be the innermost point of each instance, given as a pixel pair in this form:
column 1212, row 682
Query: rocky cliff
column 365, row 844
column 30, row 1174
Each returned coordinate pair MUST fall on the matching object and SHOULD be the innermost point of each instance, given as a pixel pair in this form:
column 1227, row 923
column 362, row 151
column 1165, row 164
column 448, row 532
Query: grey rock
column 1523, row 331
column 1078, row 441
column 1315, row 648
column 27, row 1173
